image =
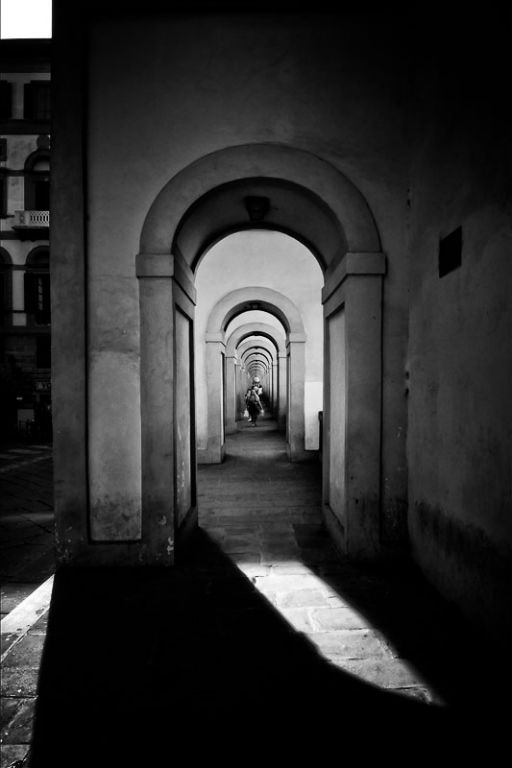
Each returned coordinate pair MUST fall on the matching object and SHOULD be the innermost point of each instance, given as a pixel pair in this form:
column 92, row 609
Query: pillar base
column 300, row 455
column 187, row 528
column 336, row 529
column 210, row 455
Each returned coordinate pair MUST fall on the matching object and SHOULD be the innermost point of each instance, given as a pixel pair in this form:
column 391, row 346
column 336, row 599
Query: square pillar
column 352, row 300
column 68, row 292
column 168, row 460
column 231, row 399
column 215, row 351
column 273, row 388
column 240, row 391
column 296, row 346
column 282, row 391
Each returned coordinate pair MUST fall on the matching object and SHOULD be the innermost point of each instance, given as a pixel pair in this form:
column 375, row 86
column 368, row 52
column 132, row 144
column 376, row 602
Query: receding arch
column 255, row 329
column 319, row 179
column 221, row 403
column 254, row 351
column 348, row 249
column 255, row 297
column 274, row 338
column 292, row 210
column 250, row 354
column 253, row 356
column 262, row 346
column 257, row 367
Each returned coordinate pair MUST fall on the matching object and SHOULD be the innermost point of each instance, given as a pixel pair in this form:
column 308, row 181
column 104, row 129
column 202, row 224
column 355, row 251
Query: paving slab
column 10, row 753
column 350, row 644
column 301, row 598
column 19, row 682
column 27, row 561
column 11, row 594
column 19, row 727
column 26, row 653
column 386, row 673
column 334, row 617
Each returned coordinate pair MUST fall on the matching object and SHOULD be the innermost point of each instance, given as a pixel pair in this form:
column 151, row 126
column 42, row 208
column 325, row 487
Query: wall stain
column 466, row 565
column 393, row 528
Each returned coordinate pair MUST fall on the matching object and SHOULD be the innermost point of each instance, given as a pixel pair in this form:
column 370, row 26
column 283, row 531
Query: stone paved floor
column 260, row 646
column 26, row 560
column 26, row 521
column 264, row 513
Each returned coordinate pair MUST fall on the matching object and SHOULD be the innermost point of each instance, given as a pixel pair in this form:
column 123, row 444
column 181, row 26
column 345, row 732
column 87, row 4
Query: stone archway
column 334, row 219
column 231, row 305
column 261, row 349
column 269, row 332
column 102, row 518
column 332, row 197
column 132, row 491
column 260, row 361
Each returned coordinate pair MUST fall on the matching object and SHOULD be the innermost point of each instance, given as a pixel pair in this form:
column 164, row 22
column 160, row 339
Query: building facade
column 25, row 319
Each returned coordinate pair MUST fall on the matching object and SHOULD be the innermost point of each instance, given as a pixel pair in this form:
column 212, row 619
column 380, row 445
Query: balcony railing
column 31, row 219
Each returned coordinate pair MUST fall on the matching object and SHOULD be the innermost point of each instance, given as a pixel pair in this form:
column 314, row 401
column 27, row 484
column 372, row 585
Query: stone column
column 68, row 289
column 167, row 298
column 297, row 368
column 239, row 390
column 270, row 391
column 231, row 401
column 215, row 349
column 352, row 300
column 282, row 392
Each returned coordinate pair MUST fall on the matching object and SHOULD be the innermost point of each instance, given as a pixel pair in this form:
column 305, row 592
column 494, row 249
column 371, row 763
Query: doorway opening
column 258, row 316
column 280, row 190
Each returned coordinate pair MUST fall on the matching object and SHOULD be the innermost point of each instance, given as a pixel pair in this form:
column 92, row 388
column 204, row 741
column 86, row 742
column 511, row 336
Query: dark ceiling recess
column 257, row 207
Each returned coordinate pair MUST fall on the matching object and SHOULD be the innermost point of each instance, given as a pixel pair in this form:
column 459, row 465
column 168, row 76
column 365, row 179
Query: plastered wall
column 460, row 355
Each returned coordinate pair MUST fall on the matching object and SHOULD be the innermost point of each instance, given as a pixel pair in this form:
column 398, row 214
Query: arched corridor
column 279, row 643
column 375, row 146
column 222, row 380
column 271, row 339
column 322, row 209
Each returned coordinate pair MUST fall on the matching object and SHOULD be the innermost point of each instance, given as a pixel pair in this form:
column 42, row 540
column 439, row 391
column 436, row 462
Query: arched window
column 37, row 287
column 5, row 287
column 37, row 181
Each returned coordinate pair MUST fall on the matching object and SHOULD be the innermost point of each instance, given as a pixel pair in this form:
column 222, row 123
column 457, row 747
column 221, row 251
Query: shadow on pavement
column 143, row 665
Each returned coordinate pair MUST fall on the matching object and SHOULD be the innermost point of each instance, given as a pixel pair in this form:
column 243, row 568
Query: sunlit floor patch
column 264, row 513
column 311, row 605
column 341, row 634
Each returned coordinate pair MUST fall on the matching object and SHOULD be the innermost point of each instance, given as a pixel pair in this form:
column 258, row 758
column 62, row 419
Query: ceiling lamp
column 257, row 207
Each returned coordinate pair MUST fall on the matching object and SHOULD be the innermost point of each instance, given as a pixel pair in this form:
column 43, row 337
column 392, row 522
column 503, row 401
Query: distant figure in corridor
column 253, row 404
column 257, row 386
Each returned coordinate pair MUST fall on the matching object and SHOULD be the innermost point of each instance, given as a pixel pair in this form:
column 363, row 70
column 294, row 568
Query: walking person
column 256, row 385
column 253, row 404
